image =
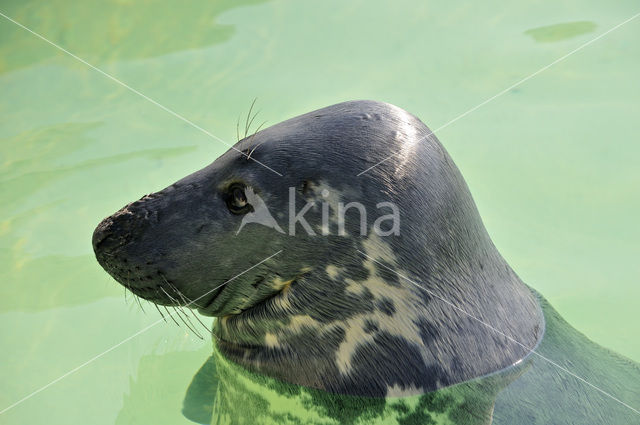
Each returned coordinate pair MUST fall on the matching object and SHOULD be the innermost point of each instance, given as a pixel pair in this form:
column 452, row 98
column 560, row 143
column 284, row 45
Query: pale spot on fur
column 353, row 336
column 355, row 286
column 332, row 271
column 376, row 248
column 283, row 286
column 279, row 284
column 270, row 340
column 298, row 322
column 327, row 194
column 402, row 323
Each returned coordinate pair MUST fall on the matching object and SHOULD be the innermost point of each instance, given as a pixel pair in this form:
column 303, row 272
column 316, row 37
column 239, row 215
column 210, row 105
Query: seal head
column 372, row 306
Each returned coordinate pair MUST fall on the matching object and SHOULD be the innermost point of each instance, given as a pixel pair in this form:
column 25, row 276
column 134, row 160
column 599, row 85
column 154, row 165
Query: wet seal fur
column 322, row 314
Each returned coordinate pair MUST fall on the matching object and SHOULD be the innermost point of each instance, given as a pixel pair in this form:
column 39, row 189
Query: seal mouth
column 222, row 296
column 205, row 308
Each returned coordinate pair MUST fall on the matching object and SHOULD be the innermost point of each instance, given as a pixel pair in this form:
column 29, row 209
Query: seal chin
column 225, row 301
column 206, row 310
column 206, row 305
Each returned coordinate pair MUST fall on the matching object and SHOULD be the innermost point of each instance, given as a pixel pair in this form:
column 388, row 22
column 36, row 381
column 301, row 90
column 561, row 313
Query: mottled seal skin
column 334, row 312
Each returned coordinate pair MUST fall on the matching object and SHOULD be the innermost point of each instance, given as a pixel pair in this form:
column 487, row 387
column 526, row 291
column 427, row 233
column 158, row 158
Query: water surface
column 552, row 164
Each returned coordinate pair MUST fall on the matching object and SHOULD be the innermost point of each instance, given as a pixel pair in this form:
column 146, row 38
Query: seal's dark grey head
column 362, row 305
column 195, row 235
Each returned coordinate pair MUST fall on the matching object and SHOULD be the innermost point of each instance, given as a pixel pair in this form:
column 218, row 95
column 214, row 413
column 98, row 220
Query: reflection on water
column 156, row 391
column 116, row 30
column 558, row 32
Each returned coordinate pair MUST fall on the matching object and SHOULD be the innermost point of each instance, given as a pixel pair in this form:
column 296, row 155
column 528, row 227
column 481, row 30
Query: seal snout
column 103, row 241
column 112, row 241
column 110, row 235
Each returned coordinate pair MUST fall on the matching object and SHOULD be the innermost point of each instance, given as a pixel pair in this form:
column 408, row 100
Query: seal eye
column 237, row 200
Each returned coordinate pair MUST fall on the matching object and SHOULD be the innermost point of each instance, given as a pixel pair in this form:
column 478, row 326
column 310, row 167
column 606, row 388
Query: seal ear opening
column 306, row 184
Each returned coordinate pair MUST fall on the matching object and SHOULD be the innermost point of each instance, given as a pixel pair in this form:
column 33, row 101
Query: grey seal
column 424, row 304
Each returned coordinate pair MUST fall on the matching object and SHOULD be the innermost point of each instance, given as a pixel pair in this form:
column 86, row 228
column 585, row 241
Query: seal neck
column 356, row 326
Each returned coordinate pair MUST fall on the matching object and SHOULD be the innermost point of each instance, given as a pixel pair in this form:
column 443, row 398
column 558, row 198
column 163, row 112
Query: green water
column 552, row 164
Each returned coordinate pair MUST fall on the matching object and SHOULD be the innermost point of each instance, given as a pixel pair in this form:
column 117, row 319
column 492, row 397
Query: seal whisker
column 171, row 315
column 191, row 325
column 137, row 298
column 184, row 299
column 162, row 315
column 178, row 310
column 257, row 129
column 251, row 122
column 167, row 294
column 180, row 306
column 173, row 288
column 187, row 302
column 238, row 129
column 200, row 321
column 247, row 123
column 254, row 135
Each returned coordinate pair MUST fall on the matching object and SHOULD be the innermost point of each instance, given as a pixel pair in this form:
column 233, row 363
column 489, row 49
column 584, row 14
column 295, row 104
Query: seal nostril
column 101, row 233
column 116, row 231
column 107, row 238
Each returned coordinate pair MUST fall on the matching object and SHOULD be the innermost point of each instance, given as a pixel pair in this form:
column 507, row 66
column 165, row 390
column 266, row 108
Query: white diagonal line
column 131, row 89
column 433, row 294
column 141, row 331
column 507, row 89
